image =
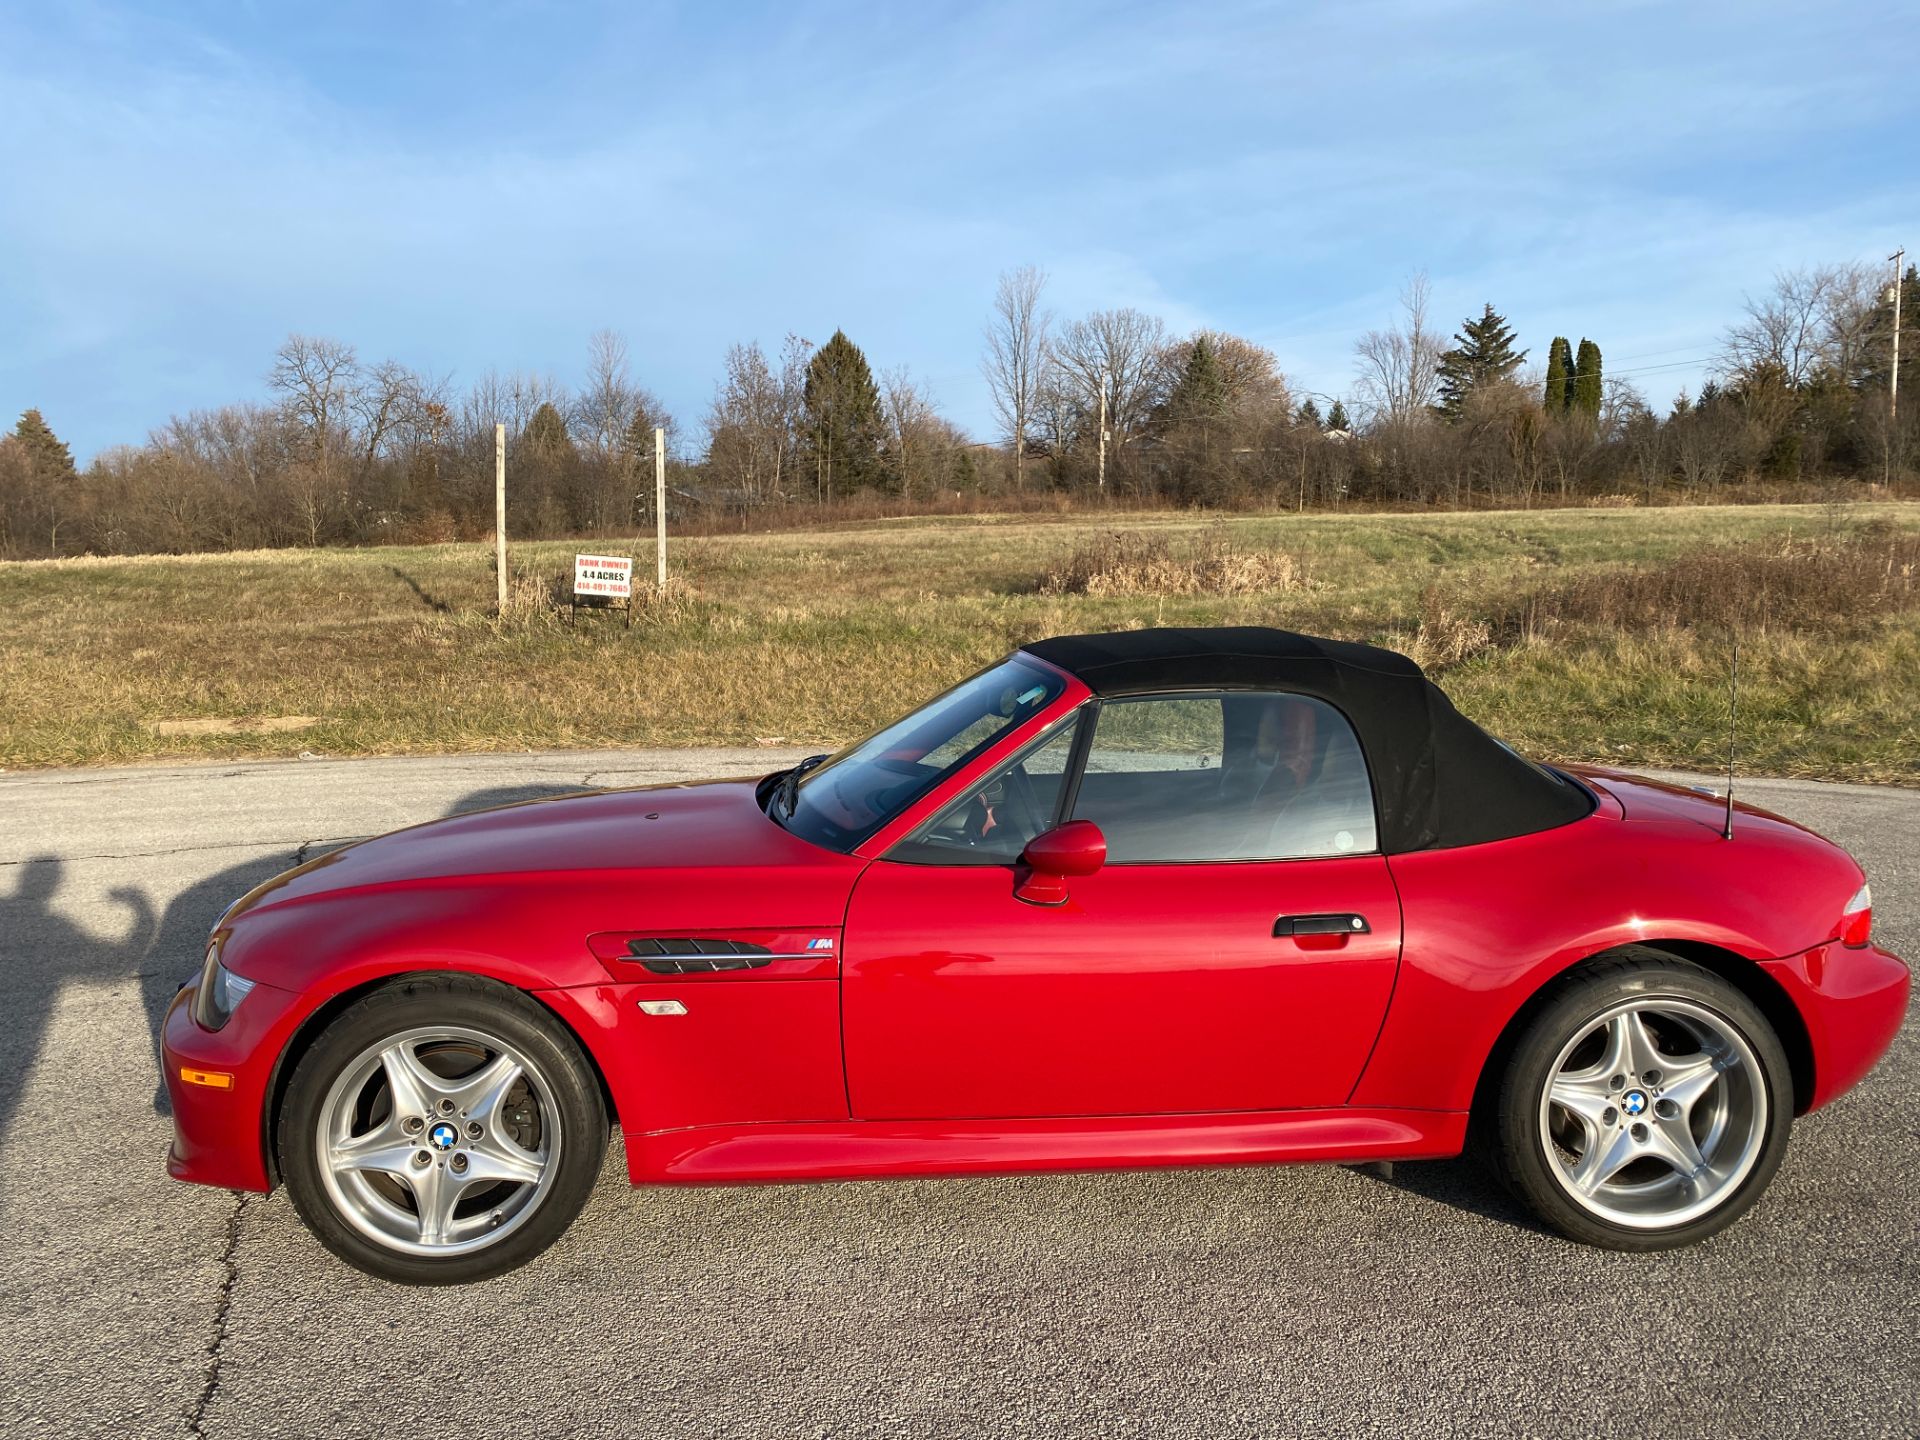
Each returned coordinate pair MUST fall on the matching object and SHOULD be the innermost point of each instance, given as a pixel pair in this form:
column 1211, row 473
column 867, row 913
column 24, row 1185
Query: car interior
column 1236, row 776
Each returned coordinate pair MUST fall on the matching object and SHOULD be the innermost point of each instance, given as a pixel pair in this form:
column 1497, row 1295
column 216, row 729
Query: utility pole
column 500, row 513
column 660, row 505
column 1103, row 430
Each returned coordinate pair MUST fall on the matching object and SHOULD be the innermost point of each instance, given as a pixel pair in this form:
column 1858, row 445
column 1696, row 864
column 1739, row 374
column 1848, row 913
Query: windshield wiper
column 789, row 791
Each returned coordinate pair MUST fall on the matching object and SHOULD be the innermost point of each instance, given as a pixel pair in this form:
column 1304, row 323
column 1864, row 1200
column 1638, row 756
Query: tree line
column 1110, row 404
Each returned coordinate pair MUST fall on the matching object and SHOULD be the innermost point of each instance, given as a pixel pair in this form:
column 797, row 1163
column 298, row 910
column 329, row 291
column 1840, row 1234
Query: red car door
column 1171, row 981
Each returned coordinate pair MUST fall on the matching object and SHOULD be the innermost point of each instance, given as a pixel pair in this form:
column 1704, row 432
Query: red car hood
column 706, row 826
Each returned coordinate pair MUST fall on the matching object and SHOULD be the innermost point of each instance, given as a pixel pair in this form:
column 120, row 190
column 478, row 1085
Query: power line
column 1650, row 354
column 1669, row 365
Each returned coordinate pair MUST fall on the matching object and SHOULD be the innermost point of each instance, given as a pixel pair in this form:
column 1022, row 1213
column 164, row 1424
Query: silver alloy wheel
column 1653, row 1113
column 440, row 1140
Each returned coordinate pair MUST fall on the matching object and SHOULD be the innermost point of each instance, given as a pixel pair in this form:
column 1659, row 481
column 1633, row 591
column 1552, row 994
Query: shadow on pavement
column 42, row 951
column 1462, row 1184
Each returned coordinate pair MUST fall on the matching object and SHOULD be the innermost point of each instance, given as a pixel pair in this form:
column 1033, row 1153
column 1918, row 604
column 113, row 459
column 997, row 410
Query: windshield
column 845, row 799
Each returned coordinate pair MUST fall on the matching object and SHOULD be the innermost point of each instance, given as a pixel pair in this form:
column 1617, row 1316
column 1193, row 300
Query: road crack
column 217, row 1341
column 190, row 850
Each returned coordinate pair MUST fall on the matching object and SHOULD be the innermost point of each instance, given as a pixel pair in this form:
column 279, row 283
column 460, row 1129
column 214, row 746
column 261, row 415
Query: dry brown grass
column 1841, row 582
column 1845, row 579
column 819, row 636
column 1120, row 563
column 1446, row 635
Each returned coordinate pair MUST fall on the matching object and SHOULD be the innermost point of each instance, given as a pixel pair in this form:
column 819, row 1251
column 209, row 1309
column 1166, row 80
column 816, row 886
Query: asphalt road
column 1311, row 1300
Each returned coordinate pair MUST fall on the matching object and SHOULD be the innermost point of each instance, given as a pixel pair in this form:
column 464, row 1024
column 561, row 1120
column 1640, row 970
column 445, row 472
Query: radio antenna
column 1733, row 728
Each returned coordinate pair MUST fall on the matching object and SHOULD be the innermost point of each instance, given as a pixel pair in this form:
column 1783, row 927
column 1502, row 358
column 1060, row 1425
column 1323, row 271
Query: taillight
column 1856, row 924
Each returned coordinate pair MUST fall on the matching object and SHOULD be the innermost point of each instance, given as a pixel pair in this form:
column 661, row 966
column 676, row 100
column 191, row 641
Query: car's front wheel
column 442, row 1129
column 1645, row 1107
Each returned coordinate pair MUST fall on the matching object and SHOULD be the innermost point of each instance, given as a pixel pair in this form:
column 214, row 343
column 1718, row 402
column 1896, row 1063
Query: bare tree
column 1708, row 443
column 615, row 420
column 909, row 416
column 1400, row 367
column 1065, row 412
column 604, row 410
column 389, row 402
column 796, row 354
column 1815, row 321
column 1123, row 348
column 749, row 430
column 318, row 378
column 1621, row 403
column 1017, row 355
column 1648, row 450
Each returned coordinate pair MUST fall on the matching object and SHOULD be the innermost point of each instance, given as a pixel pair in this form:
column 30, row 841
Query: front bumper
column 1852, row 1002
column 219, row 1135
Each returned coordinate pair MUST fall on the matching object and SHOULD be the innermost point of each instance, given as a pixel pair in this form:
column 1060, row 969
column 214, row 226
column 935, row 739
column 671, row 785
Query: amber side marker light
column 212, row 1079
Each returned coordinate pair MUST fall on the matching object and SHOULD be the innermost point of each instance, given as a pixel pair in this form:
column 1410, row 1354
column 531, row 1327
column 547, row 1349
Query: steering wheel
column 1015, row 811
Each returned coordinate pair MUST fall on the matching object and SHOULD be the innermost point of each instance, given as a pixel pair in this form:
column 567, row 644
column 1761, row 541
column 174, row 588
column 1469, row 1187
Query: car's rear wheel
column 1646, row 1106
column 442, row 1129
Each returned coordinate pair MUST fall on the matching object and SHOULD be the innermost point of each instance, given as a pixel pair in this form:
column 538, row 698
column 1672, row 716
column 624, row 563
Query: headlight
column 220, row 990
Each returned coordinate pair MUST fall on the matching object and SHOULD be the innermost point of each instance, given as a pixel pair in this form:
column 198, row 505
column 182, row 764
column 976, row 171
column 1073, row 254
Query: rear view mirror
column 1050, row 859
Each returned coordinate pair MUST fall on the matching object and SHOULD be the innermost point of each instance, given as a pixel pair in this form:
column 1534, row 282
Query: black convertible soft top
column 1439, row 780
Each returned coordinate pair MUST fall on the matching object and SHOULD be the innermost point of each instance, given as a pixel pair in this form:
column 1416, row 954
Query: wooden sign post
column 660, row 504
column 500, row 511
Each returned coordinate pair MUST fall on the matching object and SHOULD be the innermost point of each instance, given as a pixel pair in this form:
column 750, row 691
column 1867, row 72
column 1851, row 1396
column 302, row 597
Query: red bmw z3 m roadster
column 1168, row 897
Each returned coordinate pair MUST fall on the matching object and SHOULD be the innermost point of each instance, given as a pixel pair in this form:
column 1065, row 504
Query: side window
column 993, row 821
column 1226, row 777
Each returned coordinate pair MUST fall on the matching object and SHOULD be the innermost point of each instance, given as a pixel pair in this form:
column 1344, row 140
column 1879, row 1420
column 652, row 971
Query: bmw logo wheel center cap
column 1634, row 1103
column 444, row 1136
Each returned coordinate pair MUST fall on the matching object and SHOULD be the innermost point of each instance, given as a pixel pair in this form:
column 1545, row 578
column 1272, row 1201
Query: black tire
column 1512, row 1137
column 472, row 1004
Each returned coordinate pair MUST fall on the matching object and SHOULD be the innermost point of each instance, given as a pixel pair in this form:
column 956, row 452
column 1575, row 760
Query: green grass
column 811, row 637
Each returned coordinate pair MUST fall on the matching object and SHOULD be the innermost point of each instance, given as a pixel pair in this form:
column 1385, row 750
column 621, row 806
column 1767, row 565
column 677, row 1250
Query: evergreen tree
column 46, row 452
column 843, row 428
column 1337, row 418
column 546, row 432
column 1586, row 380
column 636, row 446
column 1308, row 414
column 1200, row 394
column 1559, row 396
column 1877, row 371
column 1482, row 352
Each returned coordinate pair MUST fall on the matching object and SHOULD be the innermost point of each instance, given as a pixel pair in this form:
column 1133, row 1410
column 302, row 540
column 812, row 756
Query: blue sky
column 484, row 185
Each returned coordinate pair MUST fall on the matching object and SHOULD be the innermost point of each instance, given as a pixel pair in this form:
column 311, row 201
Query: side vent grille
column 698, row 957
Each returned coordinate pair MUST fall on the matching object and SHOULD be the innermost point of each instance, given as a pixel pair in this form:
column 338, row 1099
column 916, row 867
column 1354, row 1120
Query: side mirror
column 1050, row 859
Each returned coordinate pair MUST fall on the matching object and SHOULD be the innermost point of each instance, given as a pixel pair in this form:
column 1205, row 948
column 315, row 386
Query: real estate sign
column 610, row 577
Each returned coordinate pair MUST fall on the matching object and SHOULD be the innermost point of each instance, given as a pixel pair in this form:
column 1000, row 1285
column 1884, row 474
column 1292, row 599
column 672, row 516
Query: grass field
column 813, row 637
